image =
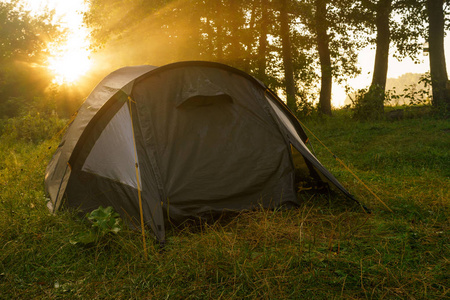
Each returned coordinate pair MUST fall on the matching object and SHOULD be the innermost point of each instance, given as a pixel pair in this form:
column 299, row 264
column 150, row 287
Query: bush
column 369, row 103
column 33, row 127
column 30, row 120
column 12, row 107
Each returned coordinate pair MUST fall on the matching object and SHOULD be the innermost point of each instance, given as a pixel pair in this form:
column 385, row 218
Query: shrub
column 12, row 107
column 421, row 96
column 30, row 120
column 369, row 103
column 32, row 127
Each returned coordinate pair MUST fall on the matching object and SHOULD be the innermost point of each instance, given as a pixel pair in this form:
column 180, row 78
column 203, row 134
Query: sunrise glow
column 68, row 60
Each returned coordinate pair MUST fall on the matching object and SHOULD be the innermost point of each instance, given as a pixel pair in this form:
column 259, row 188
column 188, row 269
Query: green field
column 328, row 248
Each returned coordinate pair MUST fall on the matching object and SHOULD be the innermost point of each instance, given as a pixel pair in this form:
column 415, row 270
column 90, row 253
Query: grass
column 323, row 250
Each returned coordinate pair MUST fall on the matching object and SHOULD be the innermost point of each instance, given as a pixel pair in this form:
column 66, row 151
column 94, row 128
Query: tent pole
column 141, row 212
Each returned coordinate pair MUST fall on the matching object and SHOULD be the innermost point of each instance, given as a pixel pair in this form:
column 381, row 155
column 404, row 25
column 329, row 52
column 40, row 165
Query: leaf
column 84, row 238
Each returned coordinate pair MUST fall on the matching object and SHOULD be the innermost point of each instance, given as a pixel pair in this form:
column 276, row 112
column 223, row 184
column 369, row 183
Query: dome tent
column 183, row 140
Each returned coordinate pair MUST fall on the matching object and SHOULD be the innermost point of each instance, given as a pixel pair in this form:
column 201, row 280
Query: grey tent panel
column 206, row 138
column 286, row 122
column 113, row 155
column 58, row 172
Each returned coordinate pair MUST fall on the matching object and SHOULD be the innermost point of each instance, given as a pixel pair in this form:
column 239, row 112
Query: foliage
column 22, row 35
column 323, row 250
column 246, row 35
column 24, row 39
column 35, row 122
column 105, row 221
column 411, row 88
column 416, row 96
column 407, row 29
column 12, row 107
column 32, row 127
column 305, row 107
column 368, row 103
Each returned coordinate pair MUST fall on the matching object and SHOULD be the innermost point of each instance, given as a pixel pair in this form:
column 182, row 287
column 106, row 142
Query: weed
column 105, row 221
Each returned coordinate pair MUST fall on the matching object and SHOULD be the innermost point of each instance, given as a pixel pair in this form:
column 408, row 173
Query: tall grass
column 324, row 249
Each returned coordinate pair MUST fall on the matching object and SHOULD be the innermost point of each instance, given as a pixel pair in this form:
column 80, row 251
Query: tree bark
column 287, row 56
column 219, row 31
column 235, row 45
column 383, row 12
column 325, row 57
column 262, row 48
column 438, row 69
column 248, row 39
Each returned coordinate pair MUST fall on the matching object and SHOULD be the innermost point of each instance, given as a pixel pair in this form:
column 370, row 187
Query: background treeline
column 297, row 47
column 25, row 81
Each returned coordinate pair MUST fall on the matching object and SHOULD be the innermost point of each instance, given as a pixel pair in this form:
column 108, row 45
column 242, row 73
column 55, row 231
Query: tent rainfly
column 189, row 139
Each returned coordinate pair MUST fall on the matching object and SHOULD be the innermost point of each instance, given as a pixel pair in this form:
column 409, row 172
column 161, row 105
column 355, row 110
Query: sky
column 396, row 68
column 71, row 60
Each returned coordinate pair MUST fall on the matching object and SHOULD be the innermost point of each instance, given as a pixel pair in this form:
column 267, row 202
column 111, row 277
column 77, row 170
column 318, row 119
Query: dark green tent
column 188, row 139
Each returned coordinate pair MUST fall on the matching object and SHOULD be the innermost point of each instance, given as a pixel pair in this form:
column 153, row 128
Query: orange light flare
column 69, row 59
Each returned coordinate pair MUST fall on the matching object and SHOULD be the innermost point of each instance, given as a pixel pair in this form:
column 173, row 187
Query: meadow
column 328, row 248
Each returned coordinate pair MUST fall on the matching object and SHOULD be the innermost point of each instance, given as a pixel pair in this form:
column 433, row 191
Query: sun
column 68, row 60
column 69, row 66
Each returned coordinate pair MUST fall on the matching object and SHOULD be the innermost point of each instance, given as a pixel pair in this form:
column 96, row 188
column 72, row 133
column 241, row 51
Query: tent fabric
column 200, row 137
column 58, row 171
column 119, row 163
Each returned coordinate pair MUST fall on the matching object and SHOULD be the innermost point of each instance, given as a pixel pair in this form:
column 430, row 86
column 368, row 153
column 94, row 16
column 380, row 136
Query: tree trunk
column 248, row 39
column 235, row 51
column 325, row 57
column 378, row 86
column 262, row 49
column 287, row 56
column 209, row 39
column 219, row 31
column 438, row 69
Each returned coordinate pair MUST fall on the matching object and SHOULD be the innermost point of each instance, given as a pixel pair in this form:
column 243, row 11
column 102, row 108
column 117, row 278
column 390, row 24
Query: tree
column 287, row 55
column 262, row 40
column 323, row 48
column 376, row 16
column 272, row 40
column 20, row 34
column 333, row 31
column 438, row 70
column 401, row 34
column 23, row 43
column 383, row 9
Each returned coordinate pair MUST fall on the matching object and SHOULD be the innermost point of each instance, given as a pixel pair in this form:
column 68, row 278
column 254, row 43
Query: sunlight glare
column 68, row 60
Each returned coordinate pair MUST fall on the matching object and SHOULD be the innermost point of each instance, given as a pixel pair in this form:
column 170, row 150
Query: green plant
column 368, row 104
column 305, row 106
column 33, row 127
column 105, row 221
column 414, row 96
